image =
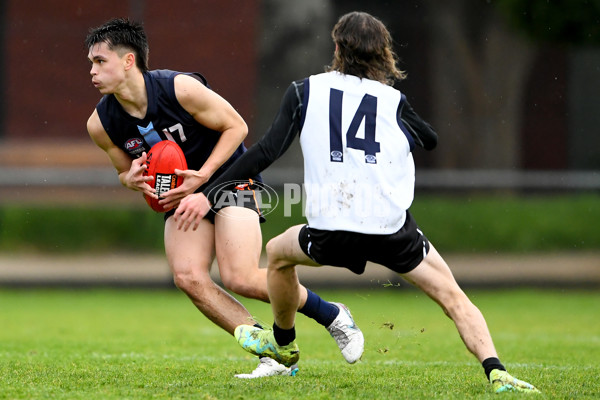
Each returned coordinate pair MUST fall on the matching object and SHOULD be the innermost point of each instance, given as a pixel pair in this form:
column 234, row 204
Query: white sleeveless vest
column 359, row 172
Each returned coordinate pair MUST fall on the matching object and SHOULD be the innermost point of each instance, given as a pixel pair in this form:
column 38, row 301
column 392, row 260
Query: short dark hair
column 364, row 48
column 122, row 33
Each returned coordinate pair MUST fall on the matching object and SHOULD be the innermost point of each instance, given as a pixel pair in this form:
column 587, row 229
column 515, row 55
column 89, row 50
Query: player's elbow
column 430, row 139
column 236, row 133
column 243, row 130
column 430, row 145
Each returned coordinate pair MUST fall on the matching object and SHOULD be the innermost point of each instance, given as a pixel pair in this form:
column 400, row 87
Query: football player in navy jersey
column 357, row 134
column 141, row 107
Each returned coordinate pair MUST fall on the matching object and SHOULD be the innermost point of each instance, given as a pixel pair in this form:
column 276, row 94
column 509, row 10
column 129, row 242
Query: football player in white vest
column 357, row 134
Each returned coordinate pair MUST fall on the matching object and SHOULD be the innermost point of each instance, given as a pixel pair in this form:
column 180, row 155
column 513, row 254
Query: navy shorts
column 401, row 252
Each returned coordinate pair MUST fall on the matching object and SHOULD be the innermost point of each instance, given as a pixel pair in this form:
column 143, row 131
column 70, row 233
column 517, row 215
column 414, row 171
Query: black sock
column 491, row 363
column 283, row 337
column 318, row 309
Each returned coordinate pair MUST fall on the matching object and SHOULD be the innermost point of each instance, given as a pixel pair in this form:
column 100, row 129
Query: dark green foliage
column 79, row 229
column 560, row 21
column 481, row 223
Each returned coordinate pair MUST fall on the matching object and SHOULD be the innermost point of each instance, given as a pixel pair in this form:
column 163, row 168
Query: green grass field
column 153, row 344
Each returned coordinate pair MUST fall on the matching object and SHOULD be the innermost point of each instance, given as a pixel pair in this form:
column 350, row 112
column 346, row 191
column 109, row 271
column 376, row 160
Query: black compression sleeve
column 270, row 147
column 421, row 131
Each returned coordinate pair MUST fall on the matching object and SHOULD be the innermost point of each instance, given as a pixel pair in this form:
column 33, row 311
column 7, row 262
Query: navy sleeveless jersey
column 165, row 119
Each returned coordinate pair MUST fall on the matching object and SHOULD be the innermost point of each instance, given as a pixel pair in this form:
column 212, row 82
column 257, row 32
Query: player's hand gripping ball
column 163, row 158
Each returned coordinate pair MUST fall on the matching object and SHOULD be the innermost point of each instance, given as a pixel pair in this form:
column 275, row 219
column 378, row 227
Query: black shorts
column 401, row 252
column 242, row 195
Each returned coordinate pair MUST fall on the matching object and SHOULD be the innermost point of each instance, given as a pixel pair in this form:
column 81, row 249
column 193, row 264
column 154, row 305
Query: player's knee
column 271, row 247
column 275, row 259
column 188, row 282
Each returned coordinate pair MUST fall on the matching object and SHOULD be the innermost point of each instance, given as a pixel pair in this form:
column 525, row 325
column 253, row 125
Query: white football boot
column 269, row 367
column 347, row 335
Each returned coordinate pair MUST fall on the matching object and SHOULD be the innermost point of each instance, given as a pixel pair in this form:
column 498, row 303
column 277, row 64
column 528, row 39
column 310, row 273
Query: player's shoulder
column 294, row 94
column 93, row 123
column 96, row 130
column 187, row 83
column 171, row 75
column 297, row 86
column 165, row 77
column 162, row 73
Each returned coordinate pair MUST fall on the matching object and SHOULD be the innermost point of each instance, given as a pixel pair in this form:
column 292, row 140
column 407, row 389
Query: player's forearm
column 424, row 135
column 250, row 164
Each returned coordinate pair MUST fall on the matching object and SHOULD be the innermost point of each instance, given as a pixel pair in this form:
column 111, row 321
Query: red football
column 163, row 158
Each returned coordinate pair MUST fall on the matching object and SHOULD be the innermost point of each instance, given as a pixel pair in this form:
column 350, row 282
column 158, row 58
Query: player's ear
column 129, row 59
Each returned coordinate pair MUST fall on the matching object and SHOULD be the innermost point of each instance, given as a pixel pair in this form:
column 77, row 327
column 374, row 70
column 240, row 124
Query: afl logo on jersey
column 336, row 155
column 370, row 159
column 134, row 146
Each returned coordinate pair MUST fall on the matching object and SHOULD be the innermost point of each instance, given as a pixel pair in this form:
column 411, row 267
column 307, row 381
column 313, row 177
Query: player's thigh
column 284, row 250
column 191, row 250
column 434, row 277
column 238, row 239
